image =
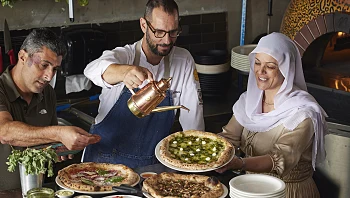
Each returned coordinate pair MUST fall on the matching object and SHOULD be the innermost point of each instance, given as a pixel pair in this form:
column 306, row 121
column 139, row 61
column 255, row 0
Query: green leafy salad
column 34, row 160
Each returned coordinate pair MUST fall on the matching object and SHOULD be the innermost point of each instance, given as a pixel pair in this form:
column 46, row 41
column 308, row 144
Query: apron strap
column 138, row 55
column 166, row 67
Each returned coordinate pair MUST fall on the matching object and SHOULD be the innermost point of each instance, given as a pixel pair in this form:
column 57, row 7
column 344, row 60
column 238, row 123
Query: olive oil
column 41, row 193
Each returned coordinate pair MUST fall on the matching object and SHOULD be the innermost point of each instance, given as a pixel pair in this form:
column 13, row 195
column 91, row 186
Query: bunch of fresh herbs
column 34, row 160
column 8, row 3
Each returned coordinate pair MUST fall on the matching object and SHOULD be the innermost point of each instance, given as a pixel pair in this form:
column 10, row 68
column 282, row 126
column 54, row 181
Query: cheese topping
column 191, row 149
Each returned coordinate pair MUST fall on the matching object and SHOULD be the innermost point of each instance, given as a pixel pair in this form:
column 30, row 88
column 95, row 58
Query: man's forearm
column 115, row 73
column 20, row 134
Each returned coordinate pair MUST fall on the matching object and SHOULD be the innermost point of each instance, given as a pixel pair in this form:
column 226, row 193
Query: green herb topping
column 192, row 149
column 115, row 179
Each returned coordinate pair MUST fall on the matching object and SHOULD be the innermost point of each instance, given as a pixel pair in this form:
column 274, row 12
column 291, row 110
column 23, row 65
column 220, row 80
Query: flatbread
column 173, row 185
column 93, row 176
column 196, row 150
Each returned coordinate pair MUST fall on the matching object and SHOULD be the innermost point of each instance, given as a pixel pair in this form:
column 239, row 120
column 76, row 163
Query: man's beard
column 154, row 47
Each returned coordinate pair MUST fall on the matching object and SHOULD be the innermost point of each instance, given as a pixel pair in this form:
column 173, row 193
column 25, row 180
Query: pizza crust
column 150, row 185
column 66, row 176
column 223, row 157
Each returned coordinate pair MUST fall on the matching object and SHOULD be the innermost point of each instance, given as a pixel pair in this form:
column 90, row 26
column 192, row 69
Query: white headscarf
column 293, row 104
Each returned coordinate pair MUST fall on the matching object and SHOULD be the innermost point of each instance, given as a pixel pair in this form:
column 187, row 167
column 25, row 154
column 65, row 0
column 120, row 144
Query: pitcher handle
column 132, row 91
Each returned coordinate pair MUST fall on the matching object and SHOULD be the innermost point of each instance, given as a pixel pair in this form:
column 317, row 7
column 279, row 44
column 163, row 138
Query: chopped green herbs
column 115, row 179
column 33, row 160
column 101, row 172
column 192, row 149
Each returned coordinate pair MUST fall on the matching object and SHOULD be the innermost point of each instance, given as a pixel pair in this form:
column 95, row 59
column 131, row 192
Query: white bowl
column 239, row 57
column 64, row 193
column 146, row 175
column 213, row 69
column 257, row 185
column 83, row 196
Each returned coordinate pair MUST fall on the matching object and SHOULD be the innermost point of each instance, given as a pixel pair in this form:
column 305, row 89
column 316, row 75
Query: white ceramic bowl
column 64, row 193
column 146, row 175
column 257, row 185
column 83, row 196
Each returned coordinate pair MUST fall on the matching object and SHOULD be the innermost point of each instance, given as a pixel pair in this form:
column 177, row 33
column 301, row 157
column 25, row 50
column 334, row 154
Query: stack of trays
column 257, row 185
column 239, row 57
column 213, row 71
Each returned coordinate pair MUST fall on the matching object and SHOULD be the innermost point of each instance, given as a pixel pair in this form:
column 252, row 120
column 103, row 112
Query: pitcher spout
column 167, row 108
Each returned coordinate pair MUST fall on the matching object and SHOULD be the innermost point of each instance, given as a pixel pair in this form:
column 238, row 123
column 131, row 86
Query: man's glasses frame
column 161, row 33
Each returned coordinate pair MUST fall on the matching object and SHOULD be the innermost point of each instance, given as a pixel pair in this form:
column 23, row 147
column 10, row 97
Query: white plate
column 60, row 184
column 160, row 159
column 257, row 185
column 124, row 196
column 222, row 196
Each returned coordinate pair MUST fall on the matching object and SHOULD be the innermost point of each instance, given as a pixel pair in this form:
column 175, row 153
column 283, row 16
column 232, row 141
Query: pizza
column 195, row 150
column 93, row 176
column 172, row 185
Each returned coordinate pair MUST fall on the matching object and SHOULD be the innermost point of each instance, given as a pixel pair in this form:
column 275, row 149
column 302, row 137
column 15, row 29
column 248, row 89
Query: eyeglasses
column 161, row 33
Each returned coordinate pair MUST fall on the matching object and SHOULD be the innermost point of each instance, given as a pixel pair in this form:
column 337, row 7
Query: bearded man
column 125, row 138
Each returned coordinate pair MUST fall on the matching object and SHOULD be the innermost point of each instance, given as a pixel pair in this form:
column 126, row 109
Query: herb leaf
column 33, row 160
column 101, row 172
column 88, row 182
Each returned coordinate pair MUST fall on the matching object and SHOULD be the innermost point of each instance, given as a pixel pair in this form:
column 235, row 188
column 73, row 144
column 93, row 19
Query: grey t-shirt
column 40, row 112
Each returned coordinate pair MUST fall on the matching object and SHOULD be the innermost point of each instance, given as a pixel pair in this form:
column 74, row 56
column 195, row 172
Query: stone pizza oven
column 321, row 31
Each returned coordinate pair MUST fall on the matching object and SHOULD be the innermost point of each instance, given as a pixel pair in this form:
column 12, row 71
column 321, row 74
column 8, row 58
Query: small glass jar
column 41, row 193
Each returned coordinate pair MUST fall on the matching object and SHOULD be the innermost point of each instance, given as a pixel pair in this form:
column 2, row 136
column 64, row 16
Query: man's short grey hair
column 169, row 6
column 41, row 37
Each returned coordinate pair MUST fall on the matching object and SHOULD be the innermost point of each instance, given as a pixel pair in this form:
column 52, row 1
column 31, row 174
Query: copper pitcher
column 146, row 100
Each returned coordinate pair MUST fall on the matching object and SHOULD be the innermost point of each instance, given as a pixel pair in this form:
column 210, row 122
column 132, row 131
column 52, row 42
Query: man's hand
column 135, row 75
column 65, row 157
column 75, row 138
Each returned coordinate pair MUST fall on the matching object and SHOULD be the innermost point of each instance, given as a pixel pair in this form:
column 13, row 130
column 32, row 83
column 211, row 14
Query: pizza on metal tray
column 195, row 150
column 172, row 185
column 93, row 176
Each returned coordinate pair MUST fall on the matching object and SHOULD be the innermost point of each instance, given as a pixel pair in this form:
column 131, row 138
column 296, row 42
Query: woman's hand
column 235, row 164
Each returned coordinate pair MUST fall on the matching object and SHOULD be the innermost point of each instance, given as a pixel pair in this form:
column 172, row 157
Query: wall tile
column 110, row 27
column 220, row 27
column 191, row 39
column 202, row 28
column 214, row 37
column 113, row 40
column 126, row 36
column 201, row 47
column 216, row 17
column 193, row 19
column 129, row 25
column 185, row 30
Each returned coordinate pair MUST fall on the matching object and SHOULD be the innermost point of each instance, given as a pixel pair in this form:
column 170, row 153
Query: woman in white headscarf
column 277, row 124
